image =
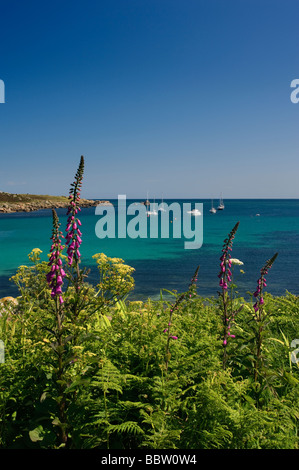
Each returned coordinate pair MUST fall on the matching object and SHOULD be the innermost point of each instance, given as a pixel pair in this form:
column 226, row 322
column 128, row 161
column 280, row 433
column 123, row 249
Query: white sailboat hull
column 194, row 212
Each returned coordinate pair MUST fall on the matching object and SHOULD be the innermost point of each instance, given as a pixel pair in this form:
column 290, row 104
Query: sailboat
column 147, row 203
column 213, row 210
column 152, row 212
column 221, row 204
column 194, row 212
column 161, row 208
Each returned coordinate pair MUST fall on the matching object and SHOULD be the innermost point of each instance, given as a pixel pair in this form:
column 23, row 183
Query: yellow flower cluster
column 34, row 256
column 115, row 276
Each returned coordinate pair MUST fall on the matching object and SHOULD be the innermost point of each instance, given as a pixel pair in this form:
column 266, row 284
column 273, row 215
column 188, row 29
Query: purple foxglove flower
column 58, row 290
column 50, row 260
column 261, row 282
column 56, row 273
column 225, row 273
column 50, row 276
column 73, row 239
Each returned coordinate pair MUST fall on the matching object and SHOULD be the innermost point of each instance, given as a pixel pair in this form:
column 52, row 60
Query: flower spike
column 73, row 237
column 261, row 283
column 56, row 274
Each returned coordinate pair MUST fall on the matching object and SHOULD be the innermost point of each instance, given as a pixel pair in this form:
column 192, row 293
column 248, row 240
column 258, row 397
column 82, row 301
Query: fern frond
column 108, row 377
column 130, row 427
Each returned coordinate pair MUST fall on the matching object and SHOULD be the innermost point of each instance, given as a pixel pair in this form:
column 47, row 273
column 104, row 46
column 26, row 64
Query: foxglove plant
column 55, row 281
column 73, row 237
column 65, row 344
column 261, row 283
column 225, row 265
column 225, row 276
column 190, row 293
column 260, row 315
column 56, row 273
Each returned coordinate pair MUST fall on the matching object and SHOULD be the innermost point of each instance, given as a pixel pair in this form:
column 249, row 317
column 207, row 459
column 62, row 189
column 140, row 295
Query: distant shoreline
column 11, row 203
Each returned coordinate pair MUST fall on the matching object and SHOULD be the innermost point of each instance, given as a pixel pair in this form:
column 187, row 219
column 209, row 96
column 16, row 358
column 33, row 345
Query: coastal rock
column 26, row 202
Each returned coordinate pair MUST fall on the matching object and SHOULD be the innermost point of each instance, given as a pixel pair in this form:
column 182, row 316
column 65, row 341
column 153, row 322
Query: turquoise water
column 164, row 263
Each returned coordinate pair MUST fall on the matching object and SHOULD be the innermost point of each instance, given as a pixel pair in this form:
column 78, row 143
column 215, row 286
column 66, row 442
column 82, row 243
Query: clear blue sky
column 185, row 98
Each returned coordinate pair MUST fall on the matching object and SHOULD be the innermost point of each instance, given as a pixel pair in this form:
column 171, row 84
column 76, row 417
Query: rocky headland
column 32, row 202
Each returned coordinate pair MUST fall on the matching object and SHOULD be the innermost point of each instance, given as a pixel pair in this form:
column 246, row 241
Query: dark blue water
column 165, row 263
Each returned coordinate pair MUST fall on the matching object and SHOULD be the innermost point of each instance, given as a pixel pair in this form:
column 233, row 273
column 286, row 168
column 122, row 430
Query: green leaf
column 170, row 292
column 56, row 422
column 37, row 434
column 249, row 399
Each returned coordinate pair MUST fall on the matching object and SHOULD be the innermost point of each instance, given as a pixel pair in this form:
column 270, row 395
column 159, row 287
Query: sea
column 266, row 227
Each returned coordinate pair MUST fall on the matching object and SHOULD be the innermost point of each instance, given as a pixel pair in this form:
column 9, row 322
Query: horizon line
column 193, row 198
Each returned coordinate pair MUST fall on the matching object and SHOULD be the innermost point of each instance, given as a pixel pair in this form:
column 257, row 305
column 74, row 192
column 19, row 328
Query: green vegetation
column 9, row 197
column 29, row 202
column 86, row 368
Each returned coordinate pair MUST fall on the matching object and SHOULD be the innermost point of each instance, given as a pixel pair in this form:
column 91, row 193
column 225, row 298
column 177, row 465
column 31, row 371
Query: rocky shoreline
column 10, row 203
